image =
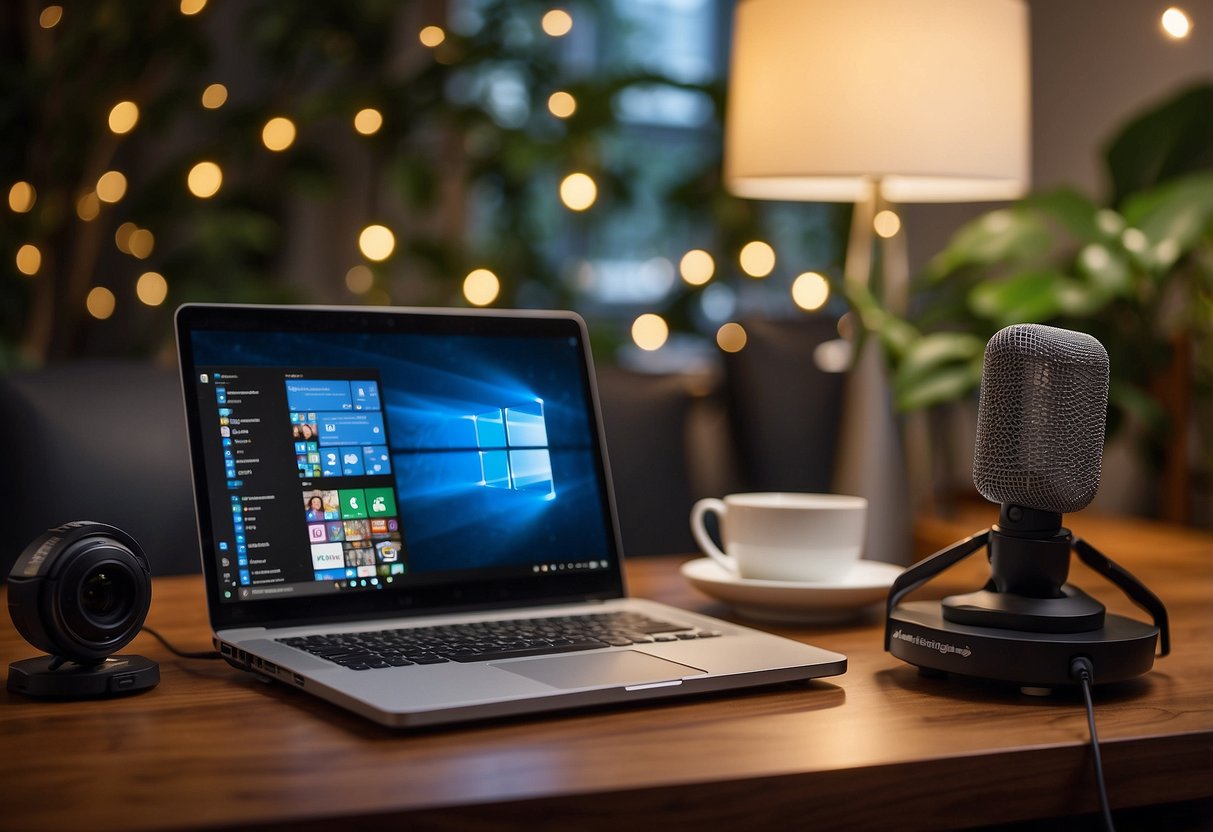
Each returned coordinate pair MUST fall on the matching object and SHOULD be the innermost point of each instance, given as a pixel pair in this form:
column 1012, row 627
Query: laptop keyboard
column 492, row 640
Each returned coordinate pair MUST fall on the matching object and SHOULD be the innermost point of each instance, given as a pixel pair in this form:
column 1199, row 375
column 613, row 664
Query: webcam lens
column 107, row 595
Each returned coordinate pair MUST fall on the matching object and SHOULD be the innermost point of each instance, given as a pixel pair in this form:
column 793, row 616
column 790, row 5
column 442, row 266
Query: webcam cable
column 185, row 654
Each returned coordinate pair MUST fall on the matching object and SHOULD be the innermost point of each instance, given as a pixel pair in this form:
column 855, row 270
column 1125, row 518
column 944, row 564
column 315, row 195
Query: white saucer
column 795, row 602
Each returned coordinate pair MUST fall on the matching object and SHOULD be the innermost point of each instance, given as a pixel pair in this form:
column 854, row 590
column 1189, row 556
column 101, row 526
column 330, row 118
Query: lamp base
column 47, row 677
column 919, row 634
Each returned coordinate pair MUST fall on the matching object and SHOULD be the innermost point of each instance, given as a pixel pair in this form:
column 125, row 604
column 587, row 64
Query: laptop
column 408, row 513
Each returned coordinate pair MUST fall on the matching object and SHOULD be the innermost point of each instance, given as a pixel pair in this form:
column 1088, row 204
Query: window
column 513, row 445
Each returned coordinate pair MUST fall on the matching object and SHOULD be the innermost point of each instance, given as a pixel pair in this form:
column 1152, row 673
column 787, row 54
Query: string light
column 111, row 187
column 204, row 180
column 278, row 133
column 29, row 259
column 359, row 280
column 214, row 96
column 481, row 287
column 88, row 207
column 810, row 291
column 50, row 17
column 886, row 223
column 123, row 117
column 557, row 23
column 368, row 121
column 1176, row 23
column 757, row 259
column 100, row 303
column 377, row 242
column 192, row 7
column 697, row 267
column 432, row 36
column 650, row 331
column 578, row 191
column 562, row 104
column 141, row 243
column 731, row 337
column 21, row 197
column 151, row 288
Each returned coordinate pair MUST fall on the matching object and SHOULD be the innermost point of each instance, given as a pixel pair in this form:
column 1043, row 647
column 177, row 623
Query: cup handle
column 700, row 531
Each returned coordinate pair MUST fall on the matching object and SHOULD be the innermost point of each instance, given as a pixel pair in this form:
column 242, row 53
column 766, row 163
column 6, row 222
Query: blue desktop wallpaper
column 466, row 499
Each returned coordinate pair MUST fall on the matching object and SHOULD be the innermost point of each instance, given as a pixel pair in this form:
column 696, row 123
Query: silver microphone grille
column 1040, row 424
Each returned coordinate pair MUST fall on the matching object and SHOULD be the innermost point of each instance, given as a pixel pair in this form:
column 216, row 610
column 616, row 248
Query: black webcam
column 81, row 592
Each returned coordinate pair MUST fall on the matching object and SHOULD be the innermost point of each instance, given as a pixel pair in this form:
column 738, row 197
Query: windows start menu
column 310, row 500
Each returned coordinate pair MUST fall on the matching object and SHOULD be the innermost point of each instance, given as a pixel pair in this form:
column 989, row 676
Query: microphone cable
column 1082, row 670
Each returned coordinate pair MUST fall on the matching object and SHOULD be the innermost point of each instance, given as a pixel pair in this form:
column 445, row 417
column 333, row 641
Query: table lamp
column 878, row 102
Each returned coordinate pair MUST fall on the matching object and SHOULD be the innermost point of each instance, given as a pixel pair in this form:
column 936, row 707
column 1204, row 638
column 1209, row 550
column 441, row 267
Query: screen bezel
column 557, row 588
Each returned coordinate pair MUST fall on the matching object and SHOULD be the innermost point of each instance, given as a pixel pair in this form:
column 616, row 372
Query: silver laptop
column 408, row 513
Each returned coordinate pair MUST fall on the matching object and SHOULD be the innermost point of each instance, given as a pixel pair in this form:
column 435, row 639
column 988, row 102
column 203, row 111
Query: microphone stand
column 1029, row 553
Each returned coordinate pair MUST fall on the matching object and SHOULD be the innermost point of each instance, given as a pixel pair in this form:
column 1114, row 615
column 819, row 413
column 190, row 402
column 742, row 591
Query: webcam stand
column 51, row 677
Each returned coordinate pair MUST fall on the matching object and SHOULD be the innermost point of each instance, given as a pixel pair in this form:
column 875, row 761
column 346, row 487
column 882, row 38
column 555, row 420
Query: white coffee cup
column 782, row 536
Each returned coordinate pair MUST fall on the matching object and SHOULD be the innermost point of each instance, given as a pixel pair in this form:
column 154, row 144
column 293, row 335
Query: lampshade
column 931, row 97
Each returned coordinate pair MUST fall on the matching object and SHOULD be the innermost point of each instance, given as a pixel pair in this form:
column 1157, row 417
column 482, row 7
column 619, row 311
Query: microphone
column 1041, row 418
column 1040, row 436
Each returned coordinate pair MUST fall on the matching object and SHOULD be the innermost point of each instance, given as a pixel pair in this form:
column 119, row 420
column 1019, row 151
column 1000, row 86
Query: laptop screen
column 350, row 461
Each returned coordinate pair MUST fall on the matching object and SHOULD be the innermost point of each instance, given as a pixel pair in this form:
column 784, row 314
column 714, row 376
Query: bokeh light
column 141, row 243
column 757, row 259
column 100, row 303
column 50, row 17
column 123, row 117
column 368, row 121
column 650, row 331
column 432, row 36
column 359, row 279
column 205, row 179
column 214, row 96
column 557, row 23
column 481, row 287
column 111, row 187
column 810, row 291
column 697, row 267
column 578, row 191
column 278, row 133
column 731, row 337
column 886, row 223
column 192, row 7
column 1176, row 23
column 88, row 207
column 562, row 104
column 29, row 259
column 122, row 236
column 21, row 197
column 151, row 288
column 376, row 242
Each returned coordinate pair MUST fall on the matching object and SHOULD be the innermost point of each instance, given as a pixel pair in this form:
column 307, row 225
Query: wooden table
column 879, row 747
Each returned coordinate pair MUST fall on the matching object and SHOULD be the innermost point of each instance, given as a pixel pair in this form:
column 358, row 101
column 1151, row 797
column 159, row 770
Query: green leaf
column 1173, row 217
column 1029, row 297
column 1166, row 141
column 1071, row 209
column 948, row 384
column 928, row 354
column 1007, row 235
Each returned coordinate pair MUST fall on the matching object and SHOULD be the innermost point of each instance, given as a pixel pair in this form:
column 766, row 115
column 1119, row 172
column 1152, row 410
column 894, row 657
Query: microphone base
column 1121, row 649
column 1073, row 612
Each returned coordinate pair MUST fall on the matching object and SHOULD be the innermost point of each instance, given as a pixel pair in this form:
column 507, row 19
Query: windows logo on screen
column 513, row 444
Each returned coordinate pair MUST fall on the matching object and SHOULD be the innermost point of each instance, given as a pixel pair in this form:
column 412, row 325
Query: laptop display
column 455, row 464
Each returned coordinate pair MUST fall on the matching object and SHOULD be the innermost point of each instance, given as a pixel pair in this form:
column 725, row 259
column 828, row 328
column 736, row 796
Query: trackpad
column 586, row 670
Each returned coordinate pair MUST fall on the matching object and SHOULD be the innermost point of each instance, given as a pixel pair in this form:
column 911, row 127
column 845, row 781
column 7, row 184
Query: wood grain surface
column 879, row 747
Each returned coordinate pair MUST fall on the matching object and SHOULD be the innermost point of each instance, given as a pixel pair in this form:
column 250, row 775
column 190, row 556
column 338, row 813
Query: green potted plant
column 1135, row 271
